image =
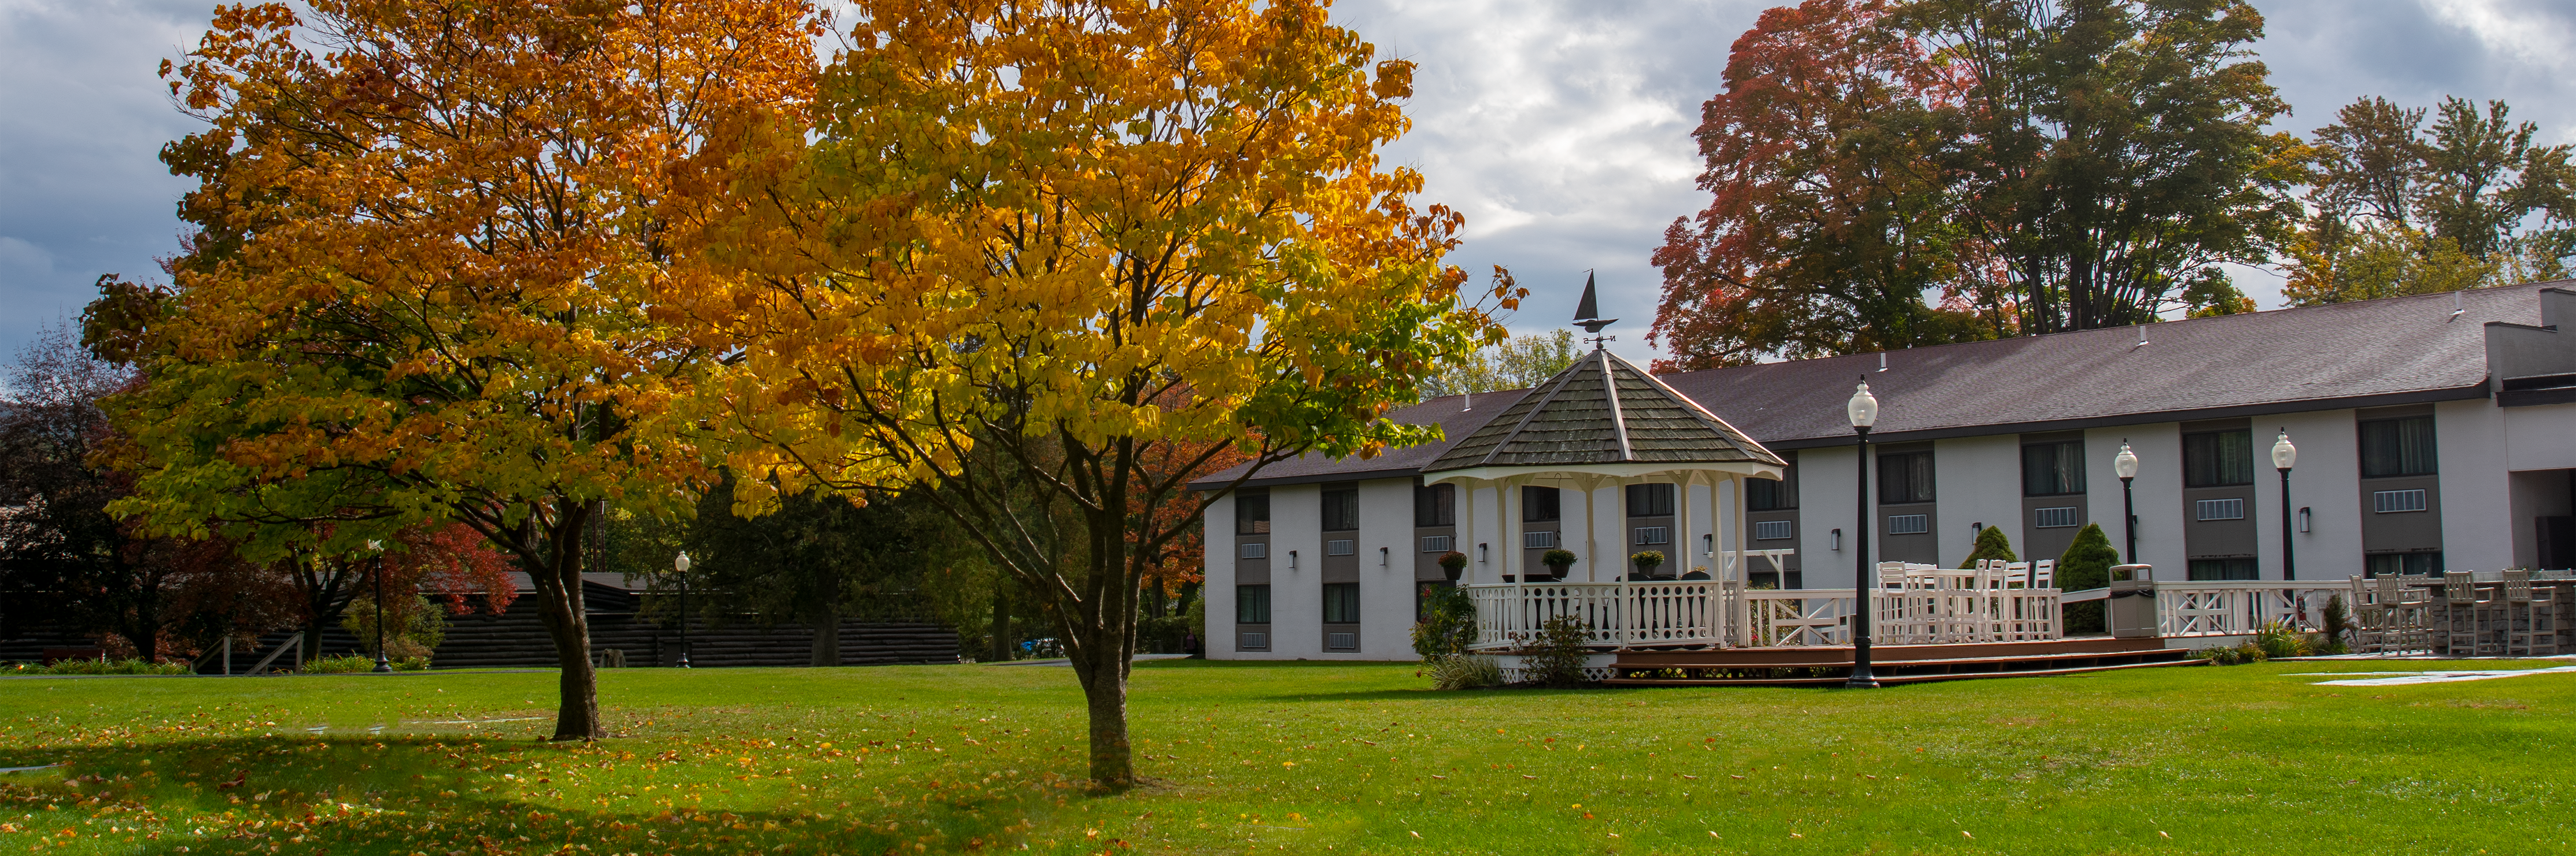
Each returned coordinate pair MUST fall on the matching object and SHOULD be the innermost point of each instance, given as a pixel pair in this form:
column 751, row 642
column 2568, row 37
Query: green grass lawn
column 1299, row 758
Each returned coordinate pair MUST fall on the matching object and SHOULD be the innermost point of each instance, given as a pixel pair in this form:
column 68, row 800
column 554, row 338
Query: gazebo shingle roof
column 1575, row 419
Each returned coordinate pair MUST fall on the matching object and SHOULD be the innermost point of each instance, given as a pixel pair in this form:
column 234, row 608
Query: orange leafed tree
column 435, row 240
column 1057, row 258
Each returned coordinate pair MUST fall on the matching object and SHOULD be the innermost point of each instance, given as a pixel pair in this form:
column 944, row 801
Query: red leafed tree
column 1830, row 218
column 1176, row 567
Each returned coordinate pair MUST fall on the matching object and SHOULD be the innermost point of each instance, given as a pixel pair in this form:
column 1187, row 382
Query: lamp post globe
column 681, row 565
column 2126, row 464
column 2284, row 456
column 1862, row 410
column 378, row 548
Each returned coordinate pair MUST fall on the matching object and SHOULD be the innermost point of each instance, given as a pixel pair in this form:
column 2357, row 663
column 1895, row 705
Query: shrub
column 340, row 665
column 1465, row 673
column 2278, row 639
column 1448, row 625
column 412, row 664
column 1992, row 545
column 2231, row 656
column 2338, row 623
column 2086, row 564
column 1556, row 657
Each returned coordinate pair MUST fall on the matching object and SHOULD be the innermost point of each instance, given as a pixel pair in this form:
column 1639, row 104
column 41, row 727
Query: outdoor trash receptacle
column 2132, row 610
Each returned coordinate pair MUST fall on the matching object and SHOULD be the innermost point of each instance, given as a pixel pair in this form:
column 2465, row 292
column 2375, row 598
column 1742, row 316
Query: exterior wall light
column 1382, row 555
column 1834, row 541
column 1292, row 560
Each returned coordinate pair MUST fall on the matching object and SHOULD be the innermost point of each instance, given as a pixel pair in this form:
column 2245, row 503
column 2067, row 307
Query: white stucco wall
column 1219, row 587
column 2158, row 488
column 2327, row 479
column 1386, row 591
column 2478, row 525
column 1826, row 503
column 1978, row 480
column 2541, row 437
column 1296, row 586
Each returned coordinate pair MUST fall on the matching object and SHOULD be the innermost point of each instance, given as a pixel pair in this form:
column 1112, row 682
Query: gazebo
column 1595, row 428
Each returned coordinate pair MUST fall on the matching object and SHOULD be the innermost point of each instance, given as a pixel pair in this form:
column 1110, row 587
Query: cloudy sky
column 1562, row 129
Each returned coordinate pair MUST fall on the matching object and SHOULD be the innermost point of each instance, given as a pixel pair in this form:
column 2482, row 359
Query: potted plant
column 1557, row 561
column 1453, row 563
column 1647, row 561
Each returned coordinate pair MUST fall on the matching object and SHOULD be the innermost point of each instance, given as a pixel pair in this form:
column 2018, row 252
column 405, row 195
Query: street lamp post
column 1863, row 410
column 2283, row 456
column 2126, row 464
column 681, row 564
column 378, row 548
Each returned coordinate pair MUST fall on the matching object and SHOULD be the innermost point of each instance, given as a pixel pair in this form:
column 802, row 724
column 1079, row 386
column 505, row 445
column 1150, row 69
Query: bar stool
column 2369, row 619
column 2464, row 616
column 2402, row 618
column 2530, row 624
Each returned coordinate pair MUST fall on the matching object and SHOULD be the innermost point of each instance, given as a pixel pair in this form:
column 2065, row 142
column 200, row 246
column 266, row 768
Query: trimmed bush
column 99, row 667
column 340, row 665
column 1992, row 545
column 2086, row 564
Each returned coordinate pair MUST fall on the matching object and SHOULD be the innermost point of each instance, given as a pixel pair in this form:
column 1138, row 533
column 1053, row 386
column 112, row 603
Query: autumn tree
column 2114, row 151
column 2399, row 208
column 434, row 246
column 1834, row 200
column 1016, row 231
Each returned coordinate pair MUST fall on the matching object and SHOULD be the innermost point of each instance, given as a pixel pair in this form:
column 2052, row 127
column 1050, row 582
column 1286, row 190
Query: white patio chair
column 2043, row 573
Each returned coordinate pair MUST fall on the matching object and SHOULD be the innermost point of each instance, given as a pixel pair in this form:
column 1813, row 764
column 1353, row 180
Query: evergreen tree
column 2086, row 564
column 1992, row 545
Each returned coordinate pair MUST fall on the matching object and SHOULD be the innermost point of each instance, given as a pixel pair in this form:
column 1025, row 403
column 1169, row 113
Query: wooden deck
column 1891, row 664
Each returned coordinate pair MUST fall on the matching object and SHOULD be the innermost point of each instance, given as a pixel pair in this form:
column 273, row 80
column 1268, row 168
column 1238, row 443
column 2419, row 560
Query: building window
column 1654, row 535
column 1538, row 504
column 1341, row 548
column 2398, row 447
column 1341, row 603
column 1435, row 543
column 2218, row 459
column 2052, row 469
column 1256, row 550
column 2409, row 564
column 1904, row 477
column 1538, row 540
column 1768, row 495
column 2217, row 570
column 1774, row 530
column 2393, row 501
column 1909, row 524
column 2056, row 518
column 1650, row 500
column 1252, row 514
column 1252, row 604
column 1435, row 505
column 1341, row 509
column 2220, row 509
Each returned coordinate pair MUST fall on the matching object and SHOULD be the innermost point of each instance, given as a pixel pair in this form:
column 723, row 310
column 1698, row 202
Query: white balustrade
column 2237, row 608
column 1702, row 613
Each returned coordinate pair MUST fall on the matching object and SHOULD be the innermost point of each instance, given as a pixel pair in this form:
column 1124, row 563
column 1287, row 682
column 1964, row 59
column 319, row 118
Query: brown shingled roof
column 1575, row 419
column 2368, row 353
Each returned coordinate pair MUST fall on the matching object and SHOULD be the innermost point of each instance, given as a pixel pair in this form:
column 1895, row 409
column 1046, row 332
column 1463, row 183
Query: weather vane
column 1587, row 315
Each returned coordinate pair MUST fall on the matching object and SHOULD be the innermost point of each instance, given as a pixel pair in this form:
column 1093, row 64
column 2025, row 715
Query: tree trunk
column 568, row 623
column 827, row 639
column 1103, row 672
column 1003, row 644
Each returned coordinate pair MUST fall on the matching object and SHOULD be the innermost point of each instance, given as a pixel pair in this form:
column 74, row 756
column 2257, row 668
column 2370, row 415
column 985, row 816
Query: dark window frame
column 1652, row 499
column 1770, row 495
column 2387, row 450
column 1914, row 482
column 1252, row 603
column 1435, row 505
column 1541, row 504
column 1247, row 523
column 2206, row 461
column 2054, row 468
column 1341, row 603
column 1345, row 517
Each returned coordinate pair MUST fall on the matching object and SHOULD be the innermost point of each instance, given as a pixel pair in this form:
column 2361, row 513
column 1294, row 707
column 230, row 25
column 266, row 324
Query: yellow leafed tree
column 1028, row 247
column 432, row 237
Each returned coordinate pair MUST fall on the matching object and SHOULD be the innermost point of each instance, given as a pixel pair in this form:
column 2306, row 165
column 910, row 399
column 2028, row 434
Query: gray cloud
column 1562, row 129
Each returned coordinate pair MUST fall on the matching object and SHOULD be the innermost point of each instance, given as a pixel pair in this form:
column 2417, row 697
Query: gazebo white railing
column 1712, row 614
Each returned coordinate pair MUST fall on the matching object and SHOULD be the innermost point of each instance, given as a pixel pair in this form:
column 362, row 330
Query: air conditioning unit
column 2393, row 501
column 2056, row 518
column 1435, row 543
column 1256, row 640
column 1342, row 641
column 1256, row 551
column 2220, row 509
column 1774, row 530
column 1909, row 524
column 1340, row 548
column 1654, row 534
column 1538, row 540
